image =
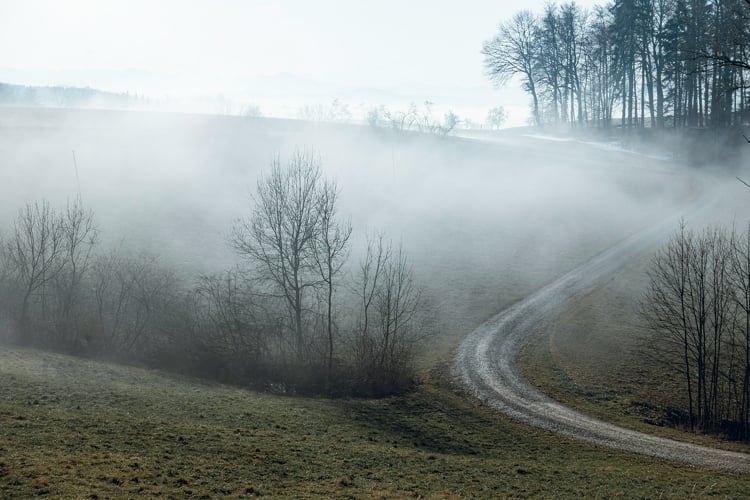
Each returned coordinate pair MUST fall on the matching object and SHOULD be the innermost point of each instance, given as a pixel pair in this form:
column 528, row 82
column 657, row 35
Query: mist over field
column 483, row 222
column 381, row 249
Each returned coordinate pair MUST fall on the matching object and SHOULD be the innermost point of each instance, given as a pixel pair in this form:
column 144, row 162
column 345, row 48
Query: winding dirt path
column 485, row 365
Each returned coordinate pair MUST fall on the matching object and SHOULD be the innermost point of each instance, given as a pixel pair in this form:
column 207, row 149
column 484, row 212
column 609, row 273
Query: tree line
column 414, row 118
column 699, row 300
column 60, row 96
column 636, row 63
column 296, row 315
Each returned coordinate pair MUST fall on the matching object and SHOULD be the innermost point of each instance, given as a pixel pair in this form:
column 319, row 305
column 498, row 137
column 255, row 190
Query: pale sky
column 210, row 46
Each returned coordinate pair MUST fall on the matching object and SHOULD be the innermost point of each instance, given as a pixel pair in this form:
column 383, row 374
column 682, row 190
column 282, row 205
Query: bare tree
column 450, row 120
column 251, row 111
column 131, row 294
column 34, row 253
column 337, row 111
column 80, row 235
column 514, row 51
column 236, row 332
column 376, row 116
column 387, row 330
column 397, row 302
column 402, row 121
column 47, row 256
column 6, row 294
column 496, row 117
column 279, row 237
column 331, row 251
column 693, row 298
column 741, row 282
column 111, row 294
column 370, row 274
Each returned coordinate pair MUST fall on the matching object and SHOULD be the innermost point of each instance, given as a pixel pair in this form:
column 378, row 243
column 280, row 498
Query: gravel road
column 485, row 365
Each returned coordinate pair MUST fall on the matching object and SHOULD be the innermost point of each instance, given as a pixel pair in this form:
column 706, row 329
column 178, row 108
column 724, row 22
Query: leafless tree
column 667, row 304
column 377, row 116
column 251, row 111
column 331, row 251
column 80, row 236
column 496, row 117
column 402, row 120
column 450, row 120
column 236, row 329
column 279, row 237
column 131, row 294
column 45, row 261
column 34, row 253
column 696, row 285
column 111, row 293
column 741, row 282
column 370, row 274
column 337, row 111
column 419, row 118
column 6, row 294
column 514, row 51
column 387, row 329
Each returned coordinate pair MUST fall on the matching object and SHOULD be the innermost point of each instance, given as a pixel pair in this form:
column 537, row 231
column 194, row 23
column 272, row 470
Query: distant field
column 484, row 224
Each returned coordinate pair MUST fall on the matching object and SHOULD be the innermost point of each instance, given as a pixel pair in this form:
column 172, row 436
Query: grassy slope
column 76, row 428
column 594, row 355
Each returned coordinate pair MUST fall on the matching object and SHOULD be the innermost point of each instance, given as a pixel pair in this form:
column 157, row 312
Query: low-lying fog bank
column 483, row 223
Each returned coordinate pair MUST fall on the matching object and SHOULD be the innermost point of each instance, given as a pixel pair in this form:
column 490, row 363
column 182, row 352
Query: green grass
column 77, row 428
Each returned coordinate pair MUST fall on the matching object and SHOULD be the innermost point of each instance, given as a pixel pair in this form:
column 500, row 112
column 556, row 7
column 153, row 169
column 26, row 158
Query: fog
column 277, row 55
column 484, row 222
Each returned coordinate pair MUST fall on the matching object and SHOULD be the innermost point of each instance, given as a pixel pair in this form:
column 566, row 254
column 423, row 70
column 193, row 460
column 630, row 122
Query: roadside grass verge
column 78, row 428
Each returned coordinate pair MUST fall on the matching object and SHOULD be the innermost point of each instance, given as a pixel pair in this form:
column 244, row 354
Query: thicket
column 698, row 300
column 295, row 316
column 632, row 63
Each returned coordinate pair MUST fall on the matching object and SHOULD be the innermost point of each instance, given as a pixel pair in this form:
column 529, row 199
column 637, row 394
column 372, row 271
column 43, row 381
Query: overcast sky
column 212, row 45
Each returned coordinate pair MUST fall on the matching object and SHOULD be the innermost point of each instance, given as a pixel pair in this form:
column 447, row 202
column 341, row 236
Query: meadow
column 484, row 224
column 82, row 429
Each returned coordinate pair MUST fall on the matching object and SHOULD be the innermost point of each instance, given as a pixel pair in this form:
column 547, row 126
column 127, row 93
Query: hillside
column 74, row 428
column 484, row 223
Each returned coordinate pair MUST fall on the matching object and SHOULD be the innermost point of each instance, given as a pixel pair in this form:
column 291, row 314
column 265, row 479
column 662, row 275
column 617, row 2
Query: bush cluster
column 699, row 301
column 295, row 316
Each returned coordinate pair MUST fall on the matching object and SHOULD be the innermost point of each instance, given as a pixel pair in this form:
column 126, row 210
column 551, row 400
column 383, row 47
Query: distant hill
column 66, row 97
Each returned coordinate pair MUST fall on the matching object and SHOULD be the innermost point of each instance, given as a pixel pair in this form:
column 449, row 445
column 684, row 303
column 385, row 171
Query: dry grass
column 75, row 428
column 594, row 356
